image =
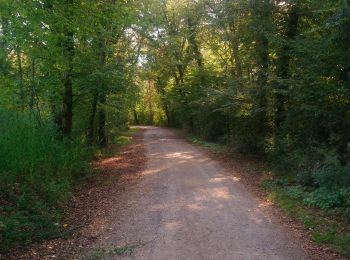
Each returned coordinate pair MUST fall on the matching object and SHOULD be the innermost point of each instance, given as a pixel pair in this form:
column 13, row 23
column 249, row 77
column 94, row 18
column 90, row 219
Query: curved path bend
column 186, row 206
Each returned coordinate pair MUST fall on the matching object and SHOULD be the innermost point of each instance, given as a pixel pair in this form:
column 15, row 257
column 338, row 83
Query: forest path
column 186, row 206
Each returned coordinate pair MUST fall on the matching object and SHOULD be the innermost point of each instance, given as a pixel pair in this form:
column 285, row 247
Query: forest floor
column 162, row 197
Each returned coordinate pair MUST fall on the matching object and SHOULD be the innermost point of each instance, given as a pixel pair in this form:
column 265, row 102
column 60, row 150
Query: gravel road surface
column 186, row 206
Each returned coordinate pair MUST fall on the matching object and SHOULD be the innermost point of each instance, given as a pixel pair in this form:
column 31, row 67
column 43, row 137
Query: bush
column 324, row 181
column 37, row 171
column 337, row 200
column 333, row 189
column 332, row 176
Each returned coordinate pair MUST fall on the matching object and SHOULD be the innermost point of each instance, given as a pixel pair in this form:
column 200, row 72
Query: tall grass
column 37, row 172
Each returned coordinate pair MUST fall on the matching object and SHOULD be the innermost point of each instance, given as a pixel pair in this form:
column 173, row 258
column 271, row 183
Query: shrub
column 37, row 171
column 337, row 200
column 332, row 176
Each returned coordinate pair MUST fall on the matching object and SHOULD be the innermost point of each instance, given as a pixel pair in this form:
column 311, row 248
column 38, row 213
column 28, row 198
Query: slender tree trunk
column 102, row 136
column 32, row 85
column 179, row 81
column 20, row 78
column 167, row 114
column 91, row 126
column 283, row 67
column 67, row 96
column 238, row 62
column 198, row 57
column 262, row 10
column 262, row 77
column 161, row 90
column 67, row 105
column 136, row 118
column 3, row 45
column 33, row 102
column 347, row 44
column 192, row 38
column 236, row 59
column 345, row 76
column 149, row 101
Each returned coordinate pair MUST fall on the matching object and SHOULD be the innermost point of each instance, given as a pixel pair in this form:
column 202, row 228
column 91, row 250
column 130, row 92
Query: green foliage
column 324, row 227
column 325, row 180
column 67, row 83
column 336, row 200
column 37, row 172
column 332, row 177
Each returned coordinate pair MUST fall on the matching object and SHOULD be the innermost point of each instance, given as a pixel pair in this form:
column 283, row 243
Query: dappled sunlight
column 223, row 179
column 172, row 225
column 180, row 155
column 154, row 154
column 192, row 188
column 153, row 171
column 235, row 179
column 208, row 194
column 265, row 204
column 110, row 160
column 220, row 193
column 195, row 207
column 203, row 160
column 256, row 219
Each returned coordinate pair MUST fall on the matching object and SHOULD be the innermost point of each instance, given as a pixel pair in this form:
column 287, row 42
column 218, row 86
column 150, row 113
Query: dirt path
column 186, row 206
column 180, row 205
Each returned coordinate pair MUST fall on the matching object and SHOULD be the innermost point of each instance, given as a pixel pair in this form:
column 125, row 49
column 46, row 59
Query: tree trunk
column 167, row 114
column 102, row 136
column 262, row 12
column 179, row 81
column 91, row 126
column 136, row 118
column 236, row 59
column 20, row 78
column 67, row 104
column 238, row 62
column 283, row 67
column 32, row 85
column 193, row 42
column 3, row 44
column 262, row 77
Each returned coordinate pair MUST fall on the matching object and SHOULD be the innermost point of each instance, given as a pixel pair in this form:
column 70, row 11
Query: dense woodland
column 268, row 77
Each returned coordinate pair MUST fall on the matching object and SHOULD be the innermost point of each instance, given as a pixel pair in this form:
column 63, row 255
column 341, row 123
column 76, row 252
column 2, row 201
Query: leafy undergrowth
column 38, row 170
column 84, row 212
column 327, row 227
column 330, row 228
